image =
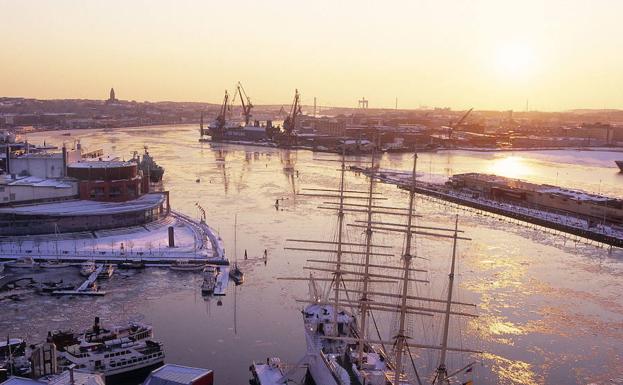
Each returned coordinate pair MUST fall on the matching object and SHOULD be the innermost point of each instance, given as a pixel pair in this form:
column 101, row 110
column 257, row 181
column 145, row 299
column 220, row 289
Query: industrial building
column 597, row 208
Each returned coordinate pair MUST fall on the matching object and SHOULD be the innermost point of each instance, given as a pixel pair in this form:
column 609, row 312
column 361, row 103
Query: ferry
column 119, row 353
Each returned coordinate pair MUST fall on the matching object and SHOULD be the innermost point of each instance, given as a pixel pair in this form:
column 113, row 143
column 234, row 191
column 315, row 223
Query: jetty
column 87, row 286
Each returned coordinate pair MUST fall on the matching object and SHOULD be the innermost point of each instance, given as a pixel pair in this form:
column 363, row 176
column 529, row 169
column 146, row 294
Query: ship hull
column 132, row 377
column 320, row 372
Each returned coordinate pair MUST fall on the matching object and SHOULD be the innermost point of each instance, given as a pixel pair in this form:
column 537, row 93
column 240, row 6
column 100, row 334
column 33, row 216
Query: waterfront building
column 597, row 208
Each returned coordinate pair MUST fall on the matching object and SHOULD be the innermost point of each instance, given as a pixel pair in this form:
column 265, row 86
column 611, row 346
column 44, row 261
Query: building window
column 114, row 192
column 12, row 196
column 1, row 189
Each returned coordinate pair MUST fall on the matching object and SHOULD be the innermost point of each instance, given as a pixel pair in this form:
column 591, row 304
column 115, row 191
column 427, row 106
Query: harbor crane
column 246, row 107
column 221, row 119
column 457, row 124
column 289, row 124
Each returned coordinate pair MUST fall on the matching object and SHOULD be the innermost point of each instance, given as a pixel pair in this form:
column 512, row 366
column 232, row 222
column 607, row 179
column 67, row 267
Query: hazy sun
column 515, row 60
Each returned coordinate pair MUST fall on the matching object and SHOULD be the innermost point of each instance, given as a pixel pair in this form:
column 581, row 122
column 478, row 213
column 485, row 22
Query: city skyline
column 482, row 54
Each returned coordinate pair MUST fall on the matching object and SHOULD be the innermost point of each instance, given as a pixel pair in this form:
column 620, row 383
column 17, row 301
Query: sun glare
column 515, row 61
column 510, row 167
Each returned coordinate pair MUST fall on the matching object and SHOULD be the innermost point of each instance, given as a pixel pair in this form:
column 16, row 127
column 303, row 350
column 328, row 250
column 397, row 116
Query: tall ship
column 119, row 353
column 345, row 344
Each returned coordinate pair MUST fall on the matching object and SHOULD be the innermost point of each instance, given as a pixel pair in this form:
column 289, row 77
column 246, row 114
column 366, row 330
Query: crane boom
column 453, row 126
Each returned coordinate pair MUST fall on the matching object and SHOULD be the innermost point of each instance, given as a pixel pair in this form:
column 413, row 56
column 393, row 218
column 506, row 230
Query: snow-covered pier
column 559, row 221
column 150, row 244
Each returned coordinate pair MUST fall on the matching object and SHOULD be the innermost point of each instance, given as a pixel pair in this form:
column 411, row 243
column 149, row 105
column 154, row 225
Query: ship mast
column 338, row 266
column 401, row 338
column 442, row 372
column 366, row 273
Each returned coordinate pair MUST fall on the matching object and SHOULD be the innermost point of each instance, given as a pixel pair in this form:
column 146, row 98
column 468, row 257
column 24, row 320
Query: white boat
column 186, row 265
column 116, row 353
column 87, row 268
column 106, row 272
column 269, row 373
column 23, row 263
column 210, row 278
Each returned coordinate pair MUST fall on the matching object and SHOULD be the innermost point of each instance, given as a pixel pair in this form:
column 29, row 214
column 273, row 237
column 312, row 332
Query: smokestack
column 64, row 171
column 171, row 236
column 7, row 163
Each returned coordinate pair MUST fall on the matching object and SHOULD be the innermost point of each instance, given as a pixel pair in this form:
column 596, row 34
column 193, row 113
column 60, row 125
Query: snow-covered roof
column 34, row 182
column 21, row 381
column 86, row 207
column 171, row 374
column 100, row 164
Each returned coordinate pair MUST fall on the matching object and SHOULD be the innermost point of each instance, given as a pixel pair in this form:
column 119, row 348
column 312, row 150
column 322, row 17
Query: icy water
column 550, row 310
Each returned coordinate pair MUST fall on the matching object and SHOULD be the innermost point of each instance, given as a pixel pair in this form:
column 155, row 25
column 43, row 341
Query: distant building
column 112, row 99
column 596, row 208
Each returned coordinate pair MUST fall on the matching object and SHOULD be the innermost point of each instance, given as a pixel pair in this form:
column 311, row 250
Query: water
column 550, row 310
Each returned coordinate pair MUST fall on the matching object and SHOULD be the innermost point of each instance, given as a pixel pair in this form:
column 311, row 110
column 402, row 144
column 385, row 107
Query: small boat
column 11, row 346
column 185, row 265
column 106, row 272
column 23, row 263
column 236, row 274
column 132, row 265
column 210, row 275
column 620, row 164
column 50, row 287
column 269, row 373
column 87, row 268
column 54, row 264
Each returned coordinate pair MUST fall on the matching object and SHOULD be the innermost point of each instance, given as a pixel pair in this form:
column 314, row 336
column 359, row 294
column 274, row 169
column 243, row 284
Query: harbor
column 503, row 269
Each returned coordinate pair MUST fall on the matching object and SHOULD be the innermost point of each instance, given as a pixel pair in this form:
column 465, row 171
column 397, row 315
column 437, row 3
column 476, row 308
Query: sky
column 487, row 54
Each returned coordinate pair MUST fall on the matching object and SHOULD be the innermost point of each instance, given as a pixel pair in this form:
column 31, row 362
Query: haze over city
column 555, row 55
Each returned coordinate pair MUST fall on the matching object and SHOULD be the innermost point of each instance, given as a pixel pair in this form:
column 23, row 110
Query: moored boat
column 236, row 274
column 54, row 264
column 210, row 275
column 107, row 272
column 129, row 264
column 269, row 373
column 87, row 268
column 186, row 265
column 23, row 263
column 117, row 353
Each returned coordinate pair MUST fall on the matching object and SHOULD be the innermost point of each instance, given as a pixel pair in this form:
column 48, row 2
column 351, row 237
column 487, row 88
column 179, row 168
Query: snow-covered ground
column 150, row 243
